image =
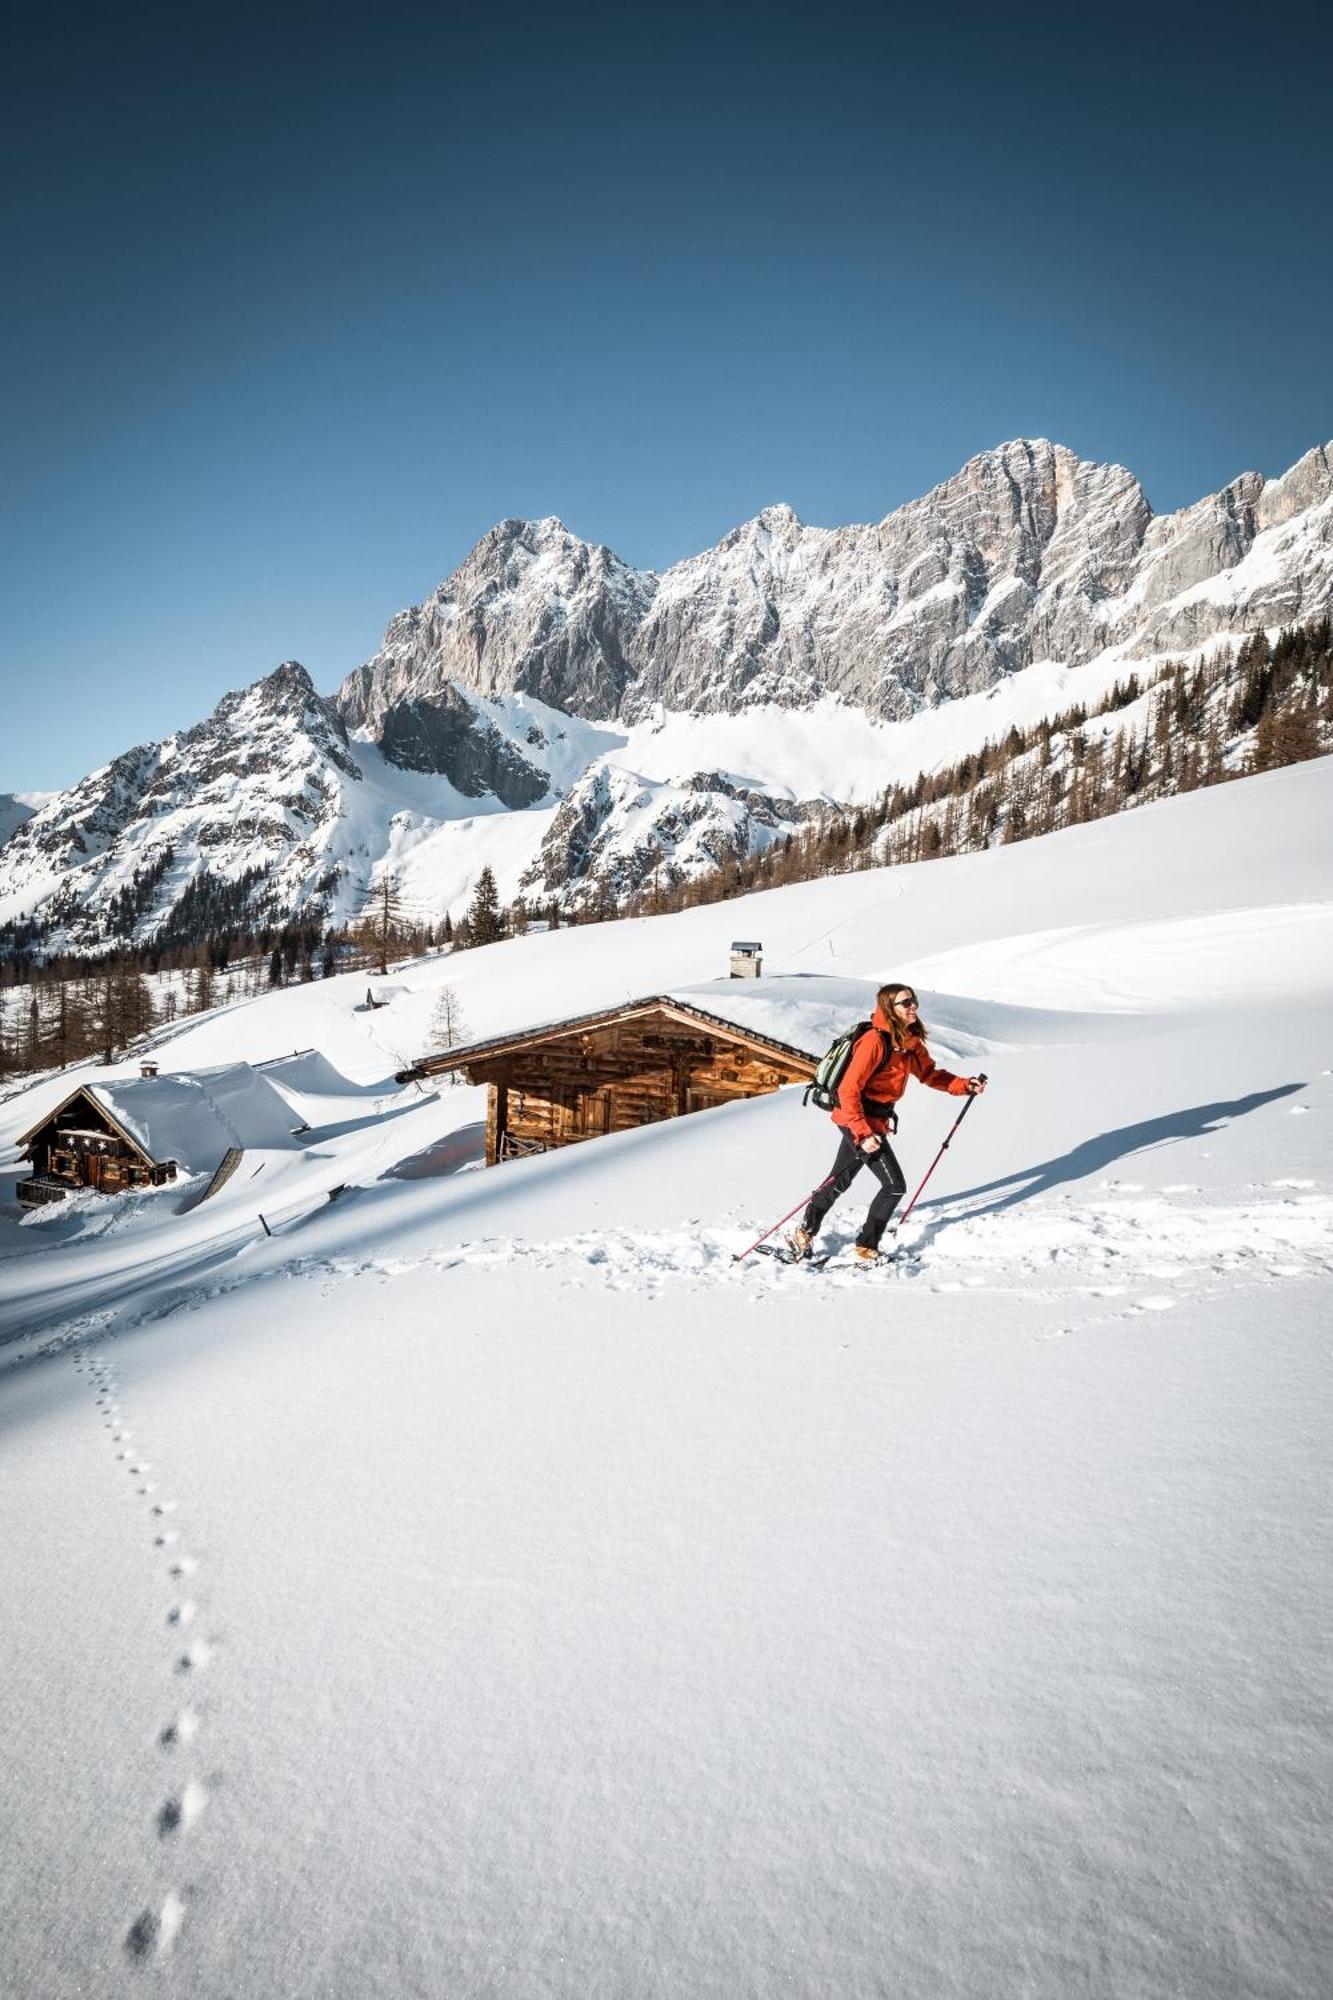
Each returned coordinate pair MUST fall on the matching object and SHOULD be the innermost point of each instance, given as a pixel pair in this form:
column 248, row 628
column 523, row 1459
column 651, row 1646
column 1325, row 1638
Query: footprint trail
column 153, row 1933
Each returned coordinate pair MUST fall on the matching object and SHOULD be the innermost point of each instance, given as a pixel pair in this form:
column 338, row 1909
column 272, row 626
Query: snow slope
column 482, row 1584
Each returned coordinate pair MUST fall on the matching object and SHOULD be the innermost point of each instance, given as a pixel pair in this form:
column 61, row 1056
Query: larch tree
column 448, row 1029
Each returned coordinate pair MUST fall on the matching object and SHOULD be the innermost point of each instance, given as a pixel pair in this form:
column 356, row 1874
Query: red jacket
column 876, row 1078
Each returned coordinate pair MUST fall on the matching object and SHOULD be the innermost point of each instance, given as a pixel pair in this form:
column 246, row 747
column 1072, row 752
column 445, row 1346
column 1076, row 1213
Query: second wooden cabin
column 116, row 1135
column 651, row 1059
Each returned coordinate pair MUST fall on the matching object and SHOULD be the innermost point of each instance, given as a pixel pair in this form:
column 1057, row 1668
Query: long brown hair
column 901, row 1033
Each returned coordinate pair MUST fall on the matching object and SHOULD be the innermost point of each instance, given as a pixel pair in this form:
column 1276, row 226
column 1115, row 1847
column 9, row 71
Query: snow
column 482, row 1583
column 196, row 1119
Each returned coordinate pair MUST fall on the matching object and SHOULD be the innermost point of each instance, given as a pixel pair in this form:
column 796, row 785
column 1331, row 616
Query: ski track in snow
column 1121, row 1245
column 151, row 1935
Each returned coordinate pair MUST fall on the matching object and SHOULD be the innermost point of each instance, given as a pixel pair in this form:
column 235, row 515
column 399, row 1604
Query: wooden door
column 596, row 1113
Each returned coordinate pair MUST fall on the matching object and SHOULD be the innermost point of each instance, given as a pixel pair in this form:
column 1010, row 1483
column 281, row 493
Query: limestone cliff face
column 532, row 610
column 1028, row 553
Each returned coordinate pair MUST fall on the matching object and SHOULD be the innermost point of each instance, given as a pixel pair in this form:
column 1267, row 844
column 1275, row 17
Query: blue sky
column 297, row 308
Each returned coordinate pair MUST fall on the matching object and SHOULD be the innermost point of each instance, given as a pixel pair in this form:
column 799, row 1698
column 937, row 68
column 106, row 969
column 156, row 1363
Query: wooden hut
column 82, row 1144
column 636, row 1064
column 130, row 1132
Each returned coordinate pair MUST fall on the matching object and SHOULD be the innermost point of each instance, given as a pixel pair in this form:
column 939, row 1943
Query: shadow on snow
column 1096, row 1154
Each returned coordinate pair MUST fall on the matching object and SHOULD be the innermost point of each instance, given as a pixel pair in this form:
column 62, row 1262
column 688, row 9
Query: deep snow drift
column 484, row 1585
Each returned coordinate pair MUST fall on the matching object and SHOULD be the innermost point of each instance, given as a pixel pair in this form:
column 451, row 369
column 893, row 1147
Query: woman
column 891, row 1050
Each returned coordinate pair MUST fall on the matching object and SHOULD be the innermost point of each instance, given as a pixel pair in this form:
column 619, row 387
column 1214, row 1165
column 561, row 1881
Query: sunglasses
column 906, row 1000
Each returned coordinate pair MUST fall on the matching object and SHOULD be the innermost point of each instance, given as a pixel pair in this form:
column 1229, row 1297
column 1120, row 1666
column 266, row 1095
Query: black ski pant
column 848, row 1164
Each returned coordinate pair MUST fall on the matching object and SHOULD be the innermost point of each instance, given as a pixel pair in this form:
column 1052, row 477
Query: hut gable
column 650, row 1059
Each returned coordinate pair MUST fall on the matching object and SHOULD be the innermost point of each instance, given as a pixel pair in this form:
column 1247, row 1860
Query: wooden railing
column 520, row 1149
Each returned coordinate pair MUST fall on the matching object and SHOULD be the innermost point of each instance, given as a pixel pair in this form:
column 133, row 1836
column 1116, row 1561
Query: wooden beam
column 497, row 1105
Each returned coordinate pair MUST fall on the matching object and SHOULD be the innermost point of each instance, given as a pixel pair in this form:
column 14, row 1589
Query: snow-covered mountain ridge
column 1027, row 554
column 576, row 724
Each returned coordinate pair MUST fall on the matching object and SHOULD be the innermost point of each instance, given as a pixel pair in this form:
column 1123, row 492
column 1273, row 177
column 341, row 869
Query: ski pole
column 900, row 1220
column 736, row 1255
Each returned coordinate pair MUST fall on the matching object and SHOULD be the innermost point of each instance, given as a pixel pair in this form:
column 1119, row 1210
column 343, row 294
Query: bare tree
column 448, row 1030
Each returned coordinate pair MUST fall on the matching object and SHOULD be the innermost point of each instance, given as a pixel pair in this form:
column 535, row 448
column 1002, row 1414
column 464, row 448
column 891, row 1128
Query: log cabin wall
column 614, row 1077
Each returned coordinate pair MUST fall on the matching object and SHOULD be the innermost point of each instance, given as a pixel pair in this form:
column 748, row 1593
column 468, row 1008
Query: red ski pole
column 901, row 1219
column 736, row 1255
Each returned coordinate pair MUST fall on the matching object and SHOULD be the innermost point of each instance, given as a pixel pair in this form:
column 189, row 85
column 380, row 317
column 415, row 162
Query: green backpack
column 822, row 1090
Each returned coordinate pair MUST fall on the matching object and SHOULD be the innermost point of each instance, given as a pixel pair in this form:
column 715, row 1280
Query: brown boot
column 868, row 1255
column 801, row 1241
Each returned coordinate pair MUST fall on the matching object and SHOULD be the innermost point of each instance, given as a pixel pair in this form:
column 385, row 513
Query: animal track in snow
column 152, row 1935
column 182, row 1728
column 179, row 1813
column 154, row 1932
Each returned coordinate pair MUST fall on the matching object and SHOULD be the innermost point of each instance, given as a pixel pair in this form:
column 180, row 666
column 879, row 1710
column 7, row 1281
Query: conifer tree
column 385, row 917
column 484, row 922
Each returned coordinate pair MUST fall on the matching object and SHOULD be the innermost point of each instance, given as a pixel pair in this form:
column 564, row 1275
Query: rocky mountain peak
column 284, row 706
column 772, row 527
column 1027, row 552
column 250, row 794
column 1307, row 484
column 289, row 681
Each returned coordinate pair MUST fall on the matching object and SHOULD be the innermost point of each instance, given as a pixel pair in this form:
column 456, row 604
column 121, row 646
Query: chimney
column 747, row 960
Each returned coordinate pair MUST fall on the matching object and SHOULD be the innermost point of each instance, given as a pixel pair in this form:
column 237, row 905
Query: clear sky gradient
column 300, row 302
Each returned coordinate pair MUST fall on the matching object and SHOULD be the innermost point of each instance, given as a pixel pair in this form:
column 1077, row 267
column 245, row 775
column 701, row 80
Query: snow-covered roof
column 196, row 1117
column 803, row 1010
column 800, row 1014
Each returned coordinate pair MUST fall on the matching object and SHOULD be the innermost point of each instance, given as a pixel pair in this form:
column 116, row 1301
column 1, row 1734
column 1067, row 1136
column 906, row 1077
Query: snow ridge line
column 152, row 1934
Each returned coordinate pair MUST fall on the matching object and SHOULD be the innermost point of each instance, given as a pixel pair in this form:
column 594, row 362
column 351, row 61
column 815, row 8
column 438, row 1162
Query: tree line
column 1188, row 727
column 60, row 1008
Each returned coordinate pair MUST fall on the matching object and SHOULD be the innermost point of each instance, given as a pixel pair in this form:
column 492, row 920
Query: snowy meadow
column 428, row 1580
